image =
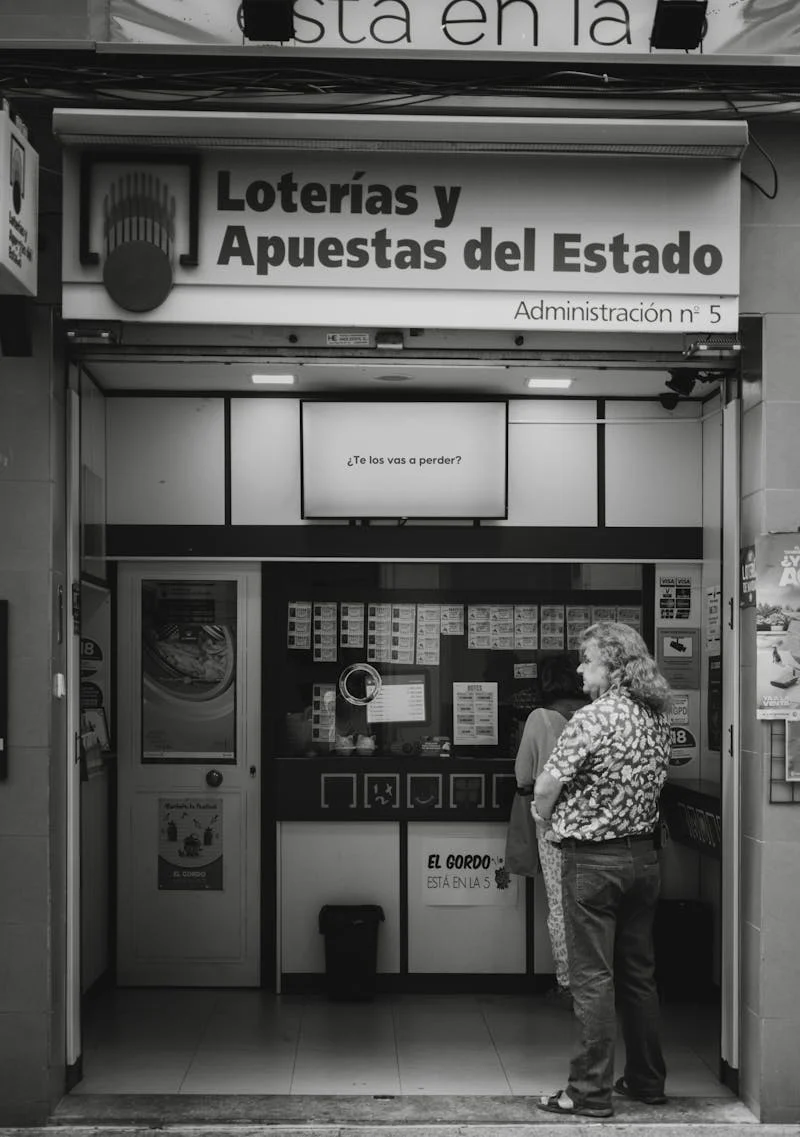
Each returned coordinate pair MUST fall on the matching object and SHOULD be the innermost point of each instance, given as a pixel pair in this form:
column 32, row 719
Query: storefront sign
column 467, row 871
column 188, row 671
column 19, row 207
column 778, row 626
column 190, row 844
column 518, row 243
column 737, row 27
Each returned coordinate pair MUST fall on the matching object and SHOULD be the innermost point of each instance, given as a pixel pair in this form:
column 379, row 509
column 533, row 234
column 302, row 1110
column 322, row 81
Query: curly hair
column 630, row 665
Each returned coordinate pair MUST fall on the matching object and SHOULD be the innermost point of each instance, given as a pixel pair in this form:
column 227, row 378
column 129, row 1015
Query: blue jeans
column 610, row 895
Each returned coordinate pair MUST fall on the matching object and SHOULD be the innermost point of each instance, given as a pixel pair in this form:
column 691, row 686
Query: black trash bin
column 351, row 949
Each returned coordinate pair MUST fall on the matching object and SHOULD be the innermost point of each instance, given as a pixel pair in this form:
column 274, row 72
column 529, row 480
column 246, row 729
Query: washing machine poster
column 190, row 844
column 467, row 872
column 684, row 731
column 778, row 626
column 188, row 671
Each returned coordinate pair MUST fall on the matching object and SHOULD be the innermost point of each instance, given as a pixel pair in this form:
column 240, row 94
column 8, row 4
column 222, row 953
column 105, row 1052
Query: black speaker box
column 269, row 20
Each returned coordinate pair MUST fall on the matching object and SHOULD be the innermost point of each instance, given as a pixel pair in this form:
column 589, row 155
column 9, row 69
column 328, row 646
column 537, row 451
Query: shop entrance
column 288, row 996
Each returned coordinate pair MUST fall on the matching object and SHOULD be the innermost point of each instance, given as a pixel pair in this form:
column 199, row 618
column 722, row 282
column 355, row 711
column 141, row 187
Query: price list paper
column 475, row 714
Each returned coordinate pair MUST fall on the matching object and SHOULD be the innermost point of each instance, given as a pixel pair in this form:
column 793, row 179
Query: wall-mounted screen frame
column 393, row 460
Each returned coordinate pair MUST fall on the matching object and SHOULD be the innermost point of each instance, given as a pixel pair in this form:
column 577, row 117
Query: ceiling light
column 543, row 384
column 276, row 380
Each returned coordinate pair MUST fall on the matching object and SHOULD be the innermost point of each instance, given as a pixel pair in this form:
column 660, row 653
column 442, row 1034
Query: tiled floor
column 172, row 1041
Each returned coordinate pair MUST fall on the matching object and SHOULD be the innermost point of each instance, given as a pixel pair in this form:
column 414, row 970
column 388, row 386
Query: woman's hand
column 541, row 822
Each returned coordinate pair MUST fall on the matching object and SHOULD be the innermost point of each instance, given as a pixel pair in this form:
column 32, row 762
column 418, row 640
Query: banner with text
column 734, row 27
column 525, row 244
column 467, row 871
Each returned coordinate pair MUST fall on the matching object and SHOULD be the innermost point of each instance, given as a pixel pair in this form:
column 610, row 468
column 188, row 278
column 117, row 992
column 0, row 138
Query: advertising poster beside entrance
column 190, row 843
column 188, row 671
column 778, row 626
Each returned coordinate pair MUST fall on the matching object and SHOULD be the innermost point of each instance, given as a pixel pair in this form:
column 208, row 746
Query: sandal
column 562, row 1104
column 622, row 1087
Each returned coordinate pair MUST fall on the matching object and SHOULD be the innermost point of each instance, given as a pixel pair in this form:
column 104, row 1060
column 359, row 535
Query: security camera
column 668, row 400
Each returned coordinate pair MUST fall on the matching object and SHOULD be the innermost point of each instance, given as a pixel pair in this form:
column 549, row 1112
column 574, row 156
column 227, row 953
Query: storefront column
column 770, row 930
column 32, row 832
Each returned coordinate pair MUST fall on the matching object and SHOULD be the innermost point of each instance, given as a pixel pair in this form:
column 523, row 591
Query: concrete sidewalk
column 236, row 1115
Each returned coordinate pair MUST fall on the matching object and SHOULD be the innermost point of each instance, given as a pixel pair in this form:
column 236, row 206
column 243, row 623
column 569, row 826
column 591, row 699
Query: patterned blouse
column 612, row 758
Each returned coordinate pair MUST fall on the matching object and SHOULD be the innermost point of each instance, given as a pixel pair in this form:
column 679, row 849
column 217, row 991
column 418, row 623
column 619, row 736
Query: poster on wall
column 674, row 598
column 467, row 871
column 778, row 626
column 682, row 733
column 188, row 671
column 678, row 656
column 190, row 844
column 475, row 714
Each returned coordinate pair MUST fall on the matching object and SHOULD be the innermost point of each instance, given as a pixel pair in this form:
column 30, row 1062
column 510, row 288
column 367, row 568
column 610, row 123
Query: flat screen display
column 404, row 460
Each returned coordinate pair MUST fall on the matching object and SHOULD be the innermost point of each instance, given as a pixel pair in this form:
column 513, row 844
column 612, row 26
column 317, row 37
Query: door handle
column 213, row 778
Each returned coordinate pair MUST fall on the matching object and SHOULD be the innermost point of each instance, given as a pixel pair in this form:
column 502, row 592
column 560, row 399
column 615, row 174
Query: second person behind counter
column 561, row 695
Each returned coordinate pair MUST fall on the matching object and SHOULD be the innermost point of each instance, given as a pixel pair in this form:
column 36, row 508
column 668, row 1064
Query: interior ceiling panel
column 382, row 377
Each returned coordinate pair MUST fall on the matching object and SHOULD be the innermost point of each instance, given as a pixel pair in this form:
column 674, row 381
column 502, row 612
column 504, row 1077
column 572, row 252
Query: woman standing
column 561, row 695
column 600, row 791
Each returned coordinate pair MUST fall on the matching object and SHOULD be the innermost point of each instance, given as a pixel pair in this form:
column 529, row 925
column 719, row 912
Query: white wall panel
column 265, row 461
column 654, row 465
column 552, row 474
column 448, row 939
column 165, row 461
column 337, row 862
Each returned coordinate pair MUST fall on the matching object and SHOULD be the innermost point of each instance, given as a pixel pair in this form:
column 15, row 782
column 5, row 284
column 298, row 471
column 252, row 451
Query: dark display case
column 401, row 690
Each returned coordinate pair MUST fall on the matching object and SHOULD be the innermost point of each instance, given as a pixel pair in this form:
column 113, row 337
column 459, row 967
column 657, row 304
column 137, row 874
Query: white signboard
column 467, row 871
column 362, row 239
column 19, row 208
column 391, row 460
column 757, row 27
column 475, row 714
